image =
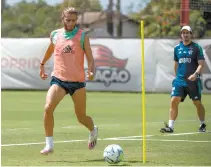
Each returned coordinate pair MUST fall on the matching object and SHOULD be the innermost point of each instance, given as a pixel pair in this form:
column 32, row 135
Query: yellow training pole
column 143, row 93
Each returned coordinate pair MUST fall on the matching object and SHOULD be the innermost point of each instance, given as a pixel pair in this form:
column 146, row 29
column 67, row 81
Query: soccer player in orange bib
column 69, row 44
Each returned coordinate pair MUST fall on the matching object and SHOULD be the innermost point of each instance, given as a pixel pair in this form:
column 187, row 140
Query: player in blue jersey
column 189, row 62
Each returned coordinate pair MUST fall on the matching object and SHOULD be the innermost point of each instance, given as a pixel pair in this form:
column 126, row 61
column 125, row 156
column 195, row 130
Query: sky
column 104, row 3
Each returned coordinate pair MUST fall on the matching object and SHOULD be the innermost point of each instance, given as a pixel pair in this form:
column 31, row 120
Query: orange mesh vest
column 68, row 56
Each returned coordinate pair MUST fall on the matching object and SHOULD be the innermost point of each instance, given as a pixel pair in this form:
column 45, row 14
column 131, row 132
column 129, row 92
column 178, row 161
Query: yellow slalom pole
column 143, row 93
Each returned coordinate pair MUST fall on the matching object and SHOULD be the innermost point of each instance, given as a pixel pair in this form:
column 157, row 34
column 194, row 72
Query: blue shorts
column 191, row 88
column 69, row 87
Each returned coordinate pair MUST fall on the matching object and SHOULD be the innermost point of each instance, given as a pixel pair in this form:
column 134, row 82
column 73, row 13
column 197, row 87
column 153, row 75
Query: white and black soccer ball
column 113, row 154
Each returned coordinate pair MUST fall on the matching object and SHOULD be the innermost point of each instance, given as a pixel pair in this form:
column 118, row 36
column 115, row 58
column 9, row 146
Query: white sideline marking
column 148, row 122
column 71, row 141
column 180, row 134
column 70, row 127
column 106, row 125
column 173, row 134
column 16, row 129
column 191, row 141
column 101, row 125
column 190, row 133
column 27, row 144
column 126, row 138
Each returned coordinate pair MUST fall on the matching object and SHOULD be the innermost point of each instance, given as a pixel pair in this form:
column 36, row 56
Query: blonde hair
column 69, row 10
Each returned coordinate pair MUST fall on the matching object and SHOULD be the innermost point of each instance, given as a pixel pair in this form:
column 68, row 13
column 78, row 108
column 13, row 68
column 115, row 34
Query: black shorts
column 69, row 87
column 192, row 88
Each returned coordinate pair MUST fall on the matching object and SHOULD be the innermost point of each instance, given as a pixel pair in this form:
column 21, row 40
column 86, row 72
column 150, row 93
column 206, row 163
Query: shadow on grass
column 122, row 163
column 127, row 163
column 62, row 161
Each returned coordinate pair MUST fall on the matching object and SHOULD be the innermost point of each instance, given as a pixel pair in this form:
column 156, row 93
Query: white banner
column 118, row 64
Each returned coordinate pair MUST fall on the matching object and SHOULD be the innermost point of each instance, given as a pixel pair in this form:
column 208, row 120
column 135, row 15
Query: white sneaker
column 93, row 138
column 46, row 151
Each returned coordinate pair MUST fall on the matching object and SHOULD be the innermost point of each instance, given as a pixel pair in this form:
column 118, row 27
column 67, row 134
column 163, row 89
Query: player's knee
column 49, row 108
column 175, row 101
column 197, row 103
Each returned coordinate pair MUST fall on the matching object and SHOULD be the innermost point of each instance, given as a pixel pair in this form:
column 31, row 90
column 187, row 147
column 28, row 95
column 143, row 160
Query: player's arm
column 50, row 49
column 48, row 54
column 200, row 58
column 89, row 56
column 200, row 67
column 46, row 57
column 201, row 61
column 198, row 71
column 175, row 67
column 175, row 61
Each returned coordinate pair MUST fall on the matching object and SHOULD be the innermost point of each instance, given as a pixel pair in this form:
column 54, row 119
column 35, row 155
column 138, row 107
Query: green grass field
column 118, row 116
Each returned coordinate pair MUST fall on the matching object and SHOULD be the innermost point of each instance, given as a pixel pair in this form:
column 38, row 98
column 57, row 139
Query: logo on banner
column 207, row 67
column 109, row 69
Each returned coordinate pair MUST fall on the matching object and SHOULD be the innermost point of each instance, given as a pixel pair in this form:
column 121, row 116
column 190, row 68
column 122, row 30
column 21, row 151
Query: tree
column 89, row 5
column 37, row 18
column 119, row 24
column 3, row 5
column 162, row 19
column 109, row 17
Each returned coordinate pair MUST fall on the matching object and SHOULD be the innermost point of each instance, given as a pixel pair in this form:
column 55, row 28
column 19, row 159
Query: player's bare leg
column 201, row 115
column 169, row 128
column 174, row 107
column 79, row 99
column 54, row 96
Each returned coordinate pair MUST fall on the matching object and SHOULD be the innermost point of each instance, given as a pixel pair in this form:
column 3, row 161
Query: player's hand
column 90, row 75
column 43, row 75
column 192, row 77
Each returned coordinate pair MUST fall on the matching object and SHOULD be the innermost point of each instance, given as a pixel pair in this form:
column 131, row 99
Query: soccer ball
column 113, row 154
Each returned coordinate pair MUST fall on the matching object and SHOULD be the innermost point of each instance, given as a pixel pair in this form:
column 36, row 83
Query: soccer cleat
column 167, row 129
column 93, row 138
column 46, row 151
column 202, row 128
